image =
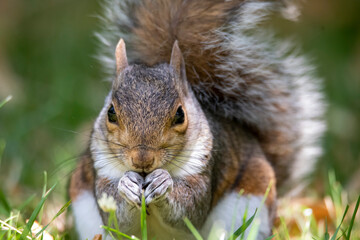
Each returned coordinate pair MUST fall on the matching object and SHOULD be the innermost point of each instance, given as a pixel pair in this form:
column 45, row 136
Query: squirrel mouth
column 143, row 174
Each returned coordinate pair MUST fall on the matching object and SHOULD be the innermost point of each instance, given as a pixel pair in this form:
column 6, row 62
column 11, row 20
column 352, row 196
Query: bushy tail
column 235, row 68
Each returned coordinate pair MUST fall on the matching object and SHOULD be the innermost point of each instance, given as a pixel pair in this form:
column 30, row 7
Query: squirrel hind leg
column 229, row 212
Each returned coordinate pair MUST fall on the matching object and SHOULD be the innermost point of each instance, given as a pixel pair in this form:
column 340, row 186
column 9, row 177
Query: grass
column 3, row 102
column 16, row 226
column 344, row 226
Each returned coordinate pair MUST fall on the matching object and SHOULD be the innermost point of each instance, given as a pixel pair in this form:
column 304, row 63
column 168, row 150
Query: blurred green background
column 47, row 64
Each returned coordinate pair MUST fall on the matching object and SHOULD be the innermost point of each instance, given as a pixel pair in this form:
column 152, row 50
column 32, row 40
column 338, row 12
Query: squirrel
column 204, row 103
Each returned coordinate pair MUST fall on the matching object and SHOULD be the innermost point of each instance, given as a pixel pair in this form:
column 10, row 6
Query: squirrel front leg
column 175, row 198
column 172, row 198
column 127, row 193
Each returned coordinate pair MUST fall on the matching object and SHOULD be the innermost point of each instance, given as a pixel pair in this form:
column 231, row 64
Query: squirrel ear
column 120, row 55
column 178, row 64
column 177, row 60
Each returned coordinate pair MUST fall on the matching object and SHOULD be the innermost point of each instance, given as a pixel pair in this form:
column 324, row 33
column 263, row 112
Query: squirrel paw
column 130, row 187
column 157, row 185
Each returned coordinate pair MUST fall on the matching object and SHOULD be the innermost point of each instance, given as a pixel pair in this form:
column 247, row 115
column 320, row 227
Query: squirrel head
column 150, row 120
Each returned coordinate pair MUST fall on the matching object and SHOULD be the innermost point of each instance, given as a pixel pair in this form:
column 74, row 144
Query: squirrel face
column 147, row 117
column 150, row 120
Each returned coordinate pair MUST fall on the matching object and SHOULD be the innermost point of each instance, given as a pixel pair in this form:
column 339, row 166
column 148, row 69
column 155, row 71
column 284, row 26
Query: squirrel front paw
column 157, row 185
column 130, row 188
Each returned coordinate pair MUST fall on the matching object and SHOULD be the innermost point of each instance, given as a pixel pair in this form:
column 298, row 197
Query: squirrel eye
column 179, row 116
column 112, row 114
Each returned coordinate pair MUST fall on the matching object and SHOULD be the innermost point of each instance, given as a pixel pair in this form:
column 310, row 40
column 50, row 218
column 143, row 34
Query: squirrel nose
column 142, row 158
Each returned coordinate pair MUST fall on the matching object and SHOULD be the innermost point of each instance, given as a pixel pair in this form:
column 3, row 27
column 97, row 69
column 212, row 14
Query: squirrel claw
column 157, row 185
column 130, row 188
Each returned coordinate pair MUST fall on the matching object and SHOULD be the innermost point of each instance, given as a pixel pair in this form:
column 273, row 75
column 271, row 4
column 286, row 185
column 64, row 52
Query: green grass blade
column 243, row 227
column 109, row 229
column 353, row 218
column 337, row 229
column 10, row 230
column 43, row 194
column 35, row 213
column 244, row 220
column 271, row 237
column 266, row 194
column 7, row 99
column 284, row 228
column 235, row 213
column 327, row 235
column 62, row 209
column 192, row 229
column 335, row 194
column 4, row 202
column 254, row 230
column 143, row 218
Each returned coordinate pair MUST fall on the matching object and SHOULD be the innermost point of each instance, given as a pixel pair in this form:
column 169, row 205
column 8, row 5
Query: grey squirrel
column 203, row 103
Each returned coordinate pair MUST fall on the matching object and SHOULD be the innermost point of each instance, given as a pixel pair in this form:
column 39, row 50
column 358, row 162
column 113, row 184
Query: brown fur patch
column 97, row 237
column 256, row 178
column 190, row 22
column 258, row 175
